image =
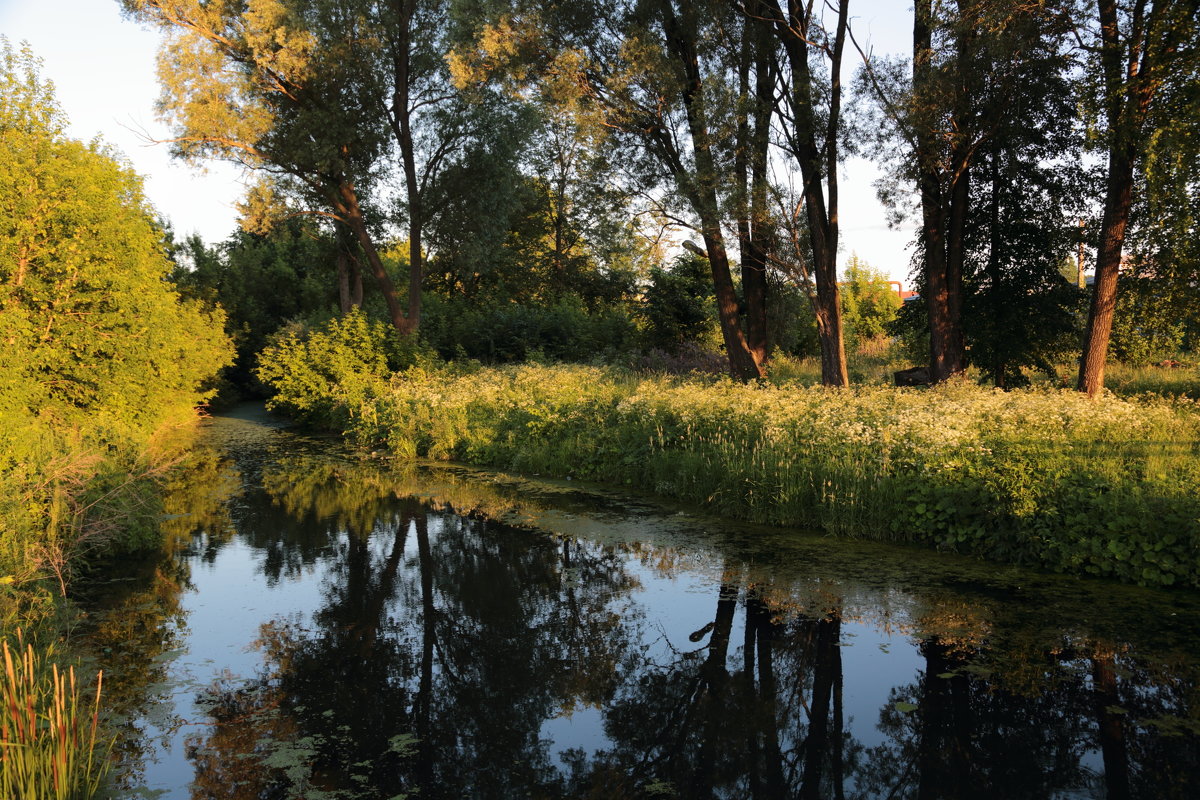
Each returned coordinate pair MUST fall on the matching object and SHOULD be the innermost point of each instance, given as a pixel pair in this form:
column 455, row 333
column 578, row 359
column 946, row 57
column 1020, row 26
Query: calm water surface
column 326, row 625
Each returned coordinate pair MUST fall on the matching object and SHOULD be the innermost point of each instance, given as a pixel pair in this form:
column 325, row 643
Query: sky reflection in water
column 329, row 627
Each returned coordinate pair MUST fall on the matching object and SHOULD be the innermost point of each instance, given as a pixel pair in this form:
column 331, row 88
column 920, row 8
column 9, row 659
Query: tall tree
column 284, row 87
column 812, row 120
column 420, row 107
column 657, row 76
column 1142, row 45
column 755, row 112
column 976, row 79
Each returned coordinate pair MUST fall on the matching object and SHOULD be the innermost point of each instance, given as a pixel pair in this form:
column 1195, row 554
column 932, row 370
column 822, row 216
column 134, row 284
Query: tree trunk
column 401, row 118
column 681, row 42
column 350, row 288
column 1117, row 200
column 751, row 168
column 817, row 167
column 941, row 238
column 1129, row 88
column 346, row 204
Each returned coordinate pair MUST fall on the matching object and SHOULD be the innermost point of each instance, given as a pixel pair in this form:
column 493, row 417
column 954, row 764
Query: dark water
column 324, row 625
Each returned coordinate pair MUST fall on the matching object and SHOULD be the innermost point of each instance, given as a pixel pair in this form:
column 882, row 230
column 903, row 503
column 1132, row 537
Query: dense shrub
column 99, row 357
column 320, row 373
column 564, row 330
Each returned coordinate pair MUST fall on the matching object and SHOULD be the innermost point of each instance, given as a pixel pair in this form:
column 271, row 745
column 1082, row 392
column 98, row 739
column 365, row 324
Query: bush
column 565, row 330
column 98, row 355
column 319, row 373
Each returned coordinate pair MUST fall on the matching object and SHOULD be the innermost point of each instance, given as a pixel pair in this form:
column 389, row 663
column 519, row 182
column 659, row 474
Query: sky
column 103, row 69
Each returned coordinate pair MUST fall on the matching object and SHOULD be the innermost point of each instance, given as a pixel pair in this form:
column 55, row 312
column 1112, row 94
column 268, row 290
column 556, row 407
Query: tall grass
column 1040, row 476
column 49, row 744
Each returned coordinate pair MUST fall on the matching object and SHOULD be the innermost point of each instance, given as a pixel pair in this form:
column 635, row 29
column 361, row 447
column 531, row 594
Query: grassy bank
column 1042, row 477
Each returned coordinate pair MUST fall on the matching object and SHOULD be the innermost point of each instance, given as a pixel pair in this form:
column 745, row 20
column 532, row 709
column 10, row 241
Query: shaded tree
column 1140, row 46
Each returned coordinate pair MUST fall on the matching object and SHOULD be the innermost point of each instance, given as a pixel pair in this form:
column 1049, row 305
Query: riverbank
column 1044, row 477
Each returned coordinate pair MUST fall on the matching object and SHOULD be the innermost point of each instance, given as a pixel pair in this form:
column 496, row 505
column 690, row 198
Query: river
column 326, row 624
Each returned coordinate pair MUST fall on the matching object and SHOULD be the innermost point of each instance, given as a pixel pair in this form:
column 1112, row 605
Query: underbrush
column 1041, row 476
column 72, row 492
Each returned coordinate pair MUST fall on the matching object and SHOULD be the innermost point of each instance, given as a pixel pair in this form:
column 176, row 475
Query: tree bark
column 817, row 168
column 1118, row 197
column 681, row 35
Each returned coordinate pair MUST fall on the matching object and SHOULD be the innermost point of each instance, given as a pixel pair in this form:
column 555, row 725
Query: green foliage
column 1150, row 320
column 791, row 322
column 99, row 354
column 1041, row 477
column 318, row 374
column 260, row 281
column 869, row 303
column 564, row 330
column 680, row 307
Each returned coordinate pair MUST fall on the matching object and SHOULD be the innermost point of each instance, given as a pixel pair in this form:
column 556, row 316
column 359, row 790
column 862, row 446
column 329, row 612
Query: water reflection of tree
column 441, row 642
column 136, row 623
column 762, row 720
column 444, row 644
column 964, row 725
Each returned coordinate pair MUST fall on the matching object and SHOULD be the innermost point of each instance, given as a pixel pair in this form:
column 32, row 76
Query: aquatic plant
column 50, row 745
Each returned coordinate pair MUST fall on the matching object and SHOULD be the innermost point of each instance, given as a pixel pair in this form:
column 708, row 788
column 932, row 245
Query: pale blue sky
column 103, row 69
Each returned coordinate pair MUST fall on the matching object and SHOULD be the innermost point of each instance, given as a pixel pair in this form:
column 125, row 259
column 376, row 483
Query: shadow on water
column 326, row 625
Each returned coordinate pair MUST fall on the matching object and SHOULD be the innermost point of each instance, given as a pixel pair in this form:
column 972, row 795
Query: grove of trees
column 493, row 154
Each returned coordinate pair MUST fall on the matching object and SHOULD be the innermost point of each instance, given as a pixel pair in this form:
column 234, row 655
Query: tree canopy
column 90, row 324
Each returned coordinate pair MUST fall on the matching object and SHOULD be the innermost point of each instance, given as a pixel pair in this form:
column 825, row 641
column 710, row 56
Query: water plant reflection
column 479, row 635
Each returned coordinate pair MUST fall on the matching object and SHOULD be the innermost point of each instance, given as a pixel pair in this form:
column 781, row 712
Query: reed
column 49, row 732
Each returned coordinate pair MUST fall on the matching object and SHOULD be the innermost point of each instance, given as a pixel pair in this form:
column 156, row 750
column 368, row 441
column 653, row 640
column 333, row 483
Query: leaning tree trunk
column 1129, row 84
column 1117, row 201
column 345, row 201
column 350, row 287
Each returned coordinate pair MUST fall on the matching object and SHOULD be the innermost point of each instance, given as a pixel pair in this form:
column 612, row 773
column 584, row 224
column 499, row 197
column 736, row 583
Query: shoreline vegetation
column 1041, row 477
column 102, row 363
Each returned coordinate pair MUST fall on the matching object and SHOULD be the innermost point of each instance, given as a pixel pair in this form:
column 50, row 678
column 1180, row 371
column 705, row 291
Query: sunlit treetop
column 89, row 323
